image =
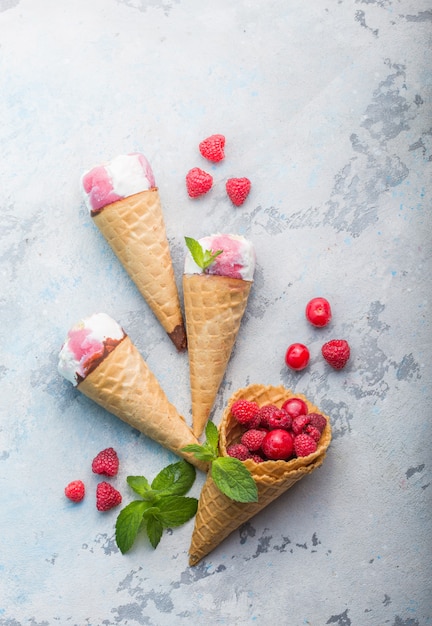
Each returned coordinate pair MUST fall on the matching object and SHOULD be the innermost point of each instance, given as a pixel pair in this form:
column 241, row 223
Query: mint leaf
column 139, row 484
column 203, row 258
column 128, row 524
column 175, row 479
column 234, row 479
column 212, row 436
column 176, row 510
column 202, row 453
column 154, row 530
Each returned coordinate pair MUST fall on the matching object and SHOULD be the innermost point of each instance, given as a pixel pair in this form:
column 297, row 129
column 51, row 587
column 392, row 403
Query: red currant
column 295, row 407
column 318, row 312
column 278, row 445
column 297, row 356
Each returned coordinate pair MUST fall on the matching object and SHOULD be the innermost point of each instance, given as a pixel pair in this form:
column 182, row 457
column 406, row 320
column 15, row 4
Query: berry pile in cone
column 272, row 433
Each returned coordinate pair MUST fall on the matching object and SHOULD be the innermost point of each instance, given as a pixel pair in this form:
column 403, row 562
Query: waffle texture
column 135, row 229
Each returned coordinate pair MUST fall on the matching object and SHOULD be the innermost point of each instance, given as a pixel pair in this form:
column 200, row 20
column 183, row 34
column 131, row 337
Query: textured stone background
column 326, row 106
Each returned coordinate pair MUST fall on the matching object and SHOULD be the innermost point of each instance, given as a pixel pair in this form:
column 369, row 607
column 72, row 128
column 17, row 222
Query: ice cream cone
column 218, row 515
column 135, row 229
column 214, row 307
column 123, row 384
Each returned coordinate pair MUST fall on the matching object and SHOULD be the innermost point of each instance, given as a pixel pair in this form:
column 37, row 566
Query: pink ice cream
column 87, row 344
column 236, row 261
column 124, row 176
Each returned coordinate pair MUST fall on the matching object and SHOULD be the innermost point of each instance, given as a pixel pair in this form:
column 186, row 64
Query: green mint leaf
column 128, row 524
column 175, row 479
column 154, row 530
column 176, row 510
column 233, row 478
column 203, row 258
column 202, row 453
column 139, row 484
column 212, row 436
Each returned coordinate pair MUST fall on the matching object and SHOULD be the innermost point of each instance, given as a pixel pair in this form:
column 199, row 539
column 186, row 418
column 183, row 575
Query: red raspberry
column 106, row 462
column 318, row 421
column 279, row 419
column 246, row 413
column 212, row 148
column 238, row 190
column 238, row 451
column 265, row 413
column 256, row 458
column 198, row 182
column 313, row 432
column 252, row 439
column 336, row 352
column 304, row 445
column 75, row 490
column 299, row 424
column 107, row 497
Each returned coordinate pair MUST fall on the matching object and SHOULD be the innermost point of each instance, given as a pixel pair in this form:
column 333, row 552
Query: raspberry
column 313, row 432
column 336, row 352
column 265, row 413
column 107, row 497
column 252, row 439
column 246, row 413
column 299, row 424
column 304, row 445
column 279, row 419
column 75, row 490
column 238, row 451
column 256, row 458
column 198, row 182
column 238, row 190
column 212, row 148
column 318, row 421
column 106, row 462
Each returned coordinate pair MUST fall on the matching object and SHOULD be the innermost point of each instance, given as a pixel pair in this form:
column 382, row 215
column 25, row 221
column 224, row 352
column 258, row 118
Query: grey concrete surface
column 326, row 107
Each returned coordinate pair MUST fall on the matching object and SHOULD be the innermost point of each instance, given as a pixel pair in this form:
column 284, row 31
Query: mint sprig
column 203, row 258
column 230, row 475
column 162, row 505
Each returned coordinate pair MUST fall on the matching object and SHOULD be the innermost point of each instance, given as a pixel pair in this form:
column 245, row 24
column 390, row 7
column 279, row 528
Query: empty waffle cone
column 214, row 307
column 123, row 384
column 135, row 229
column 217, row 515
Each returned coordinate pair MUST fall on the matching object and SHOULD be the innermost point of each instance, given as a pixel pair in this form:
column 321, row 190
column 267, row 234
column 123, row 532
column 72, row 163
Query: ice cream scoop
column 236, row 260
column 218, row 275
column 99, row 358
column 125, row 205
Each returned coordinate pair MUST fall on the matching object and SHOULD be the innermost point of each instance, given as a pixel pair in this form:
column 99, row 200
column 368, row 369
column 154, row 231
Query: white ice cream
column 237, row 259
column 84, row 343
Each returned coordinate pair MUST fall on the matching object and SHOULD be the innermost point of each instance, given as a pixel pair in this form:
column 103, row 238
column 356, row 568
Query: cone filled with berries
column 218, row 515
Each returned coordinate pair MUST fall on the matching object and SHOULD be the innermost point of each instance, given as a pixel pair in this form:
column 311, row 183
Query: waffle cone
column 214, row 307
column 124, row 385
column 217, row 515
column 135, row 229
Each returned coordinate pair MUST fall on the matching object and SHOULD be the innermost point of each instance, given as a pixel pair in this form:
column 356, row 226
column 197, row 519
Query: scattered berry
column 212, row 148
column 107, row 497
column 253, row 439
column 295, row 407
column 106, row 462
column 278, row 445
column 317, row 421
column 279, row 419
column 299, row 423
column 238, row 451
column 246, row 413
column 336, row 352
column 304, row 445
column 313, row 432
column 318, row 312
column 297, row 356
column 238, row 190
column 198, row 182
column 75, row 490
